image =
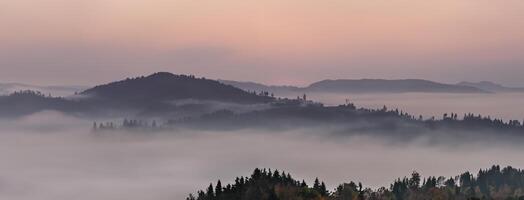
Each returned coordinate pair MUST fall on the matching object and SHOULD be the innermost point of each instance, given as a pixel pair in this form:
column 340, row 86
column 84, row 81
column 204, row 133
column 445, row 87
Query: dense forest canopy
column 493, row 183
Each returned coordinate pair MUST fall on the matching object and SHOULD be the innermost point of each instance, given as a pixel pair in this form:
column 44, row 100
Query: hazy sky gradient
column 271, row 41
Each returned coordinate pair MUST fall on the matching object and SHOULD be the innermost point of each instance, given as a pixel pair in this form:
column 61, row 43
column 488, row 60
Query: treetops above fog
column 296, row 113
column 494, row 183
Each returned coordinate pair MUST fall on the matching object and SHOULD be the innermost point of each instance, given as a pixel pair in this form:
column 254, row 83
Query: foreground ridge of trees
column 494, row 183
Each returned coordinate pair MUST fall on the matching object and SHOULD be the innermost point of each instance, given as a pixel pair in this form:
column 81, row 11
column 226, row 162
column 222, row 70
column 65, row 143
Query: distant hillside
column 163, row 87
column 159, row 94
column 363, row 86
column 490, row 86
column 389, row 86
column 28, row 102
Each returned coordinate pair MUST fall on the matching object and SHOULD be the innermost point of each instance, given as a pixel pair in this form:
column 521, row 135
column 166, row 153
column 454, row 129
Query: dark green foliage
column 493, row 183
column 262, row 185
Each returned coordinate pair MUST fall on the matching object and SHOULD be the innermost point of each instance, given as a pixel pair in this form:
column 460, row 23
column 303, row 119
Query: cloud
column 68, row 161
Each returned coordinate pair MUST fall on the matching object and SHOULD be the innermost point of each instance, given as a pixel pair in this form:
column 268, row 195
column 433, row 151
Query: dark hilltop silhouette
column 141, row 94
column 162, row 87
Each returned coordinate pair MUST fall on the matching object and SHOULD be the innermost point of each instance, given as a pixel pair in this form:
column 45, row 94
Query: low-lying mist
column 507, row 106
column 50, row 156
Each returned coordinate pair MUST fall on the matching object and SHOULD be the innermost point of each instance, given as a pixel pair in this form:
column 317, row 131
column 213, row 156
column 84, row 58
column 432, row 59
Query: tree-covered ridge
column 287, row 114
column 164, row 86
column 292, row 115
column 494, row 183
column 27, row 102
column 153, row 95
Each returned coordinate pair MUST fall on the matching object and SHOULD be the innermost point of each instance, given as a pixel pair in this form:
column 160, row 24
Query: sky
column 296, row 42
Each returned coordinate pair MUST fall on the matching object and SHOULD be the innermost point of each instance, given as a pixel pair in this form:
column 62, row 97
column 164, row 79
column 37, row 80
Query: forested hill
column 494, row 183
column 164, row 86
column 27, row 102
column 352, row 119
column 155, row 94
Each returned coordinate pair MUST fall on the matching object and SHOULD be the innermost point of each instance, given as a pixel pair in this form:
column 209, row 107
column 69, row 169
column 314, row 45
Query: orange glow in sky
column 292, row 41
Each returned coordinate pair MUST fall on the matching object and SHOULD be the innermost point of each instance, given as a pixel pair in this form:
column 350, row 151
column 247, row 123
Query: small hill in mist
column 8, row 88
column 164, row 86
column 156, row 94
column 363, row 86
column 27, row 102
column 490, row 86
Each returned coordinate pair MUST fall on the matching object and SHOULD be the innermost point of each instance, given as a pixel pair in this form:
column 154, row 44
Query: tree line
column 493, row 183
column 127, row 124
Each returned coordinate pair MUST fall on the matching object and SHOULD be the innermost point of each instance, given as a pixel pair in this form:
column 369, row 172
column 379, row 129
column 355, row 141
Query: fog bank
column 66, row 161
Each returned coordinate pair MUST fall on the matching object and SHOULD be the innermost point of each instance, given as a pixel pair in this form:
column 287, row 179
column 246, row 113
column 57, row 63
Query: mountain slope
column 163, row 86
column 157, row 94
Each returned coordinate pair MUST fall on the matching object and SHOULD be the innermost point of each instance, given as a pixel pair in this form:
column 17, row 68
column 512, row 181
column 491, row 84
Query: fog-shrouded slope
column 164, row 86
column 28, row 102
column 490, row 86
column 388, row 86
column 155, row 94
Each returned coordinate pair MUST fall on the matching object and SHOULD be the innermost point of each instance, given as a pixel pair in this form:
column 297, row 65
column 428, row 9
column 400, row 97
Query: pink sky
column 271, row 41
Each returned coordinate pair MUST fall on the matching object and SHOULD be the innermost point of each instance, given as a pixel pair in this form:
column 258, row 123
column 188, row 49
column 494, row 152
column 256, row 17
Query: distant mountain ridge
column 388, row 86
column 167, row 94
column 490, row 86
column 363, row 86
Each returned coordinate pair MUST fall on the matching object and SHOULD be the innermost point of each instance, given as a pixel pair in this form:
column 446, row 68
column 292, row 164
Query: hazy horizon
column 84, row 42
column 305, row 84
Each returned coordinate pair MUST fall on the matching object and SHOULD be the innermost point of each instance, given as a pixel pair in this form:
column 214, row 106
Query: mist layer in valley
column 52, row 156
column 506, row 106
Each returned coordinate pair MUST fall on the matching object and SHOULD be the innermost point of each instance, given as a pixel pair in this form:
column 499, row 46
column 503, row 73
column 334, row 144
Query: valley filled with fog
column 49, row 155
column 507, row 106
